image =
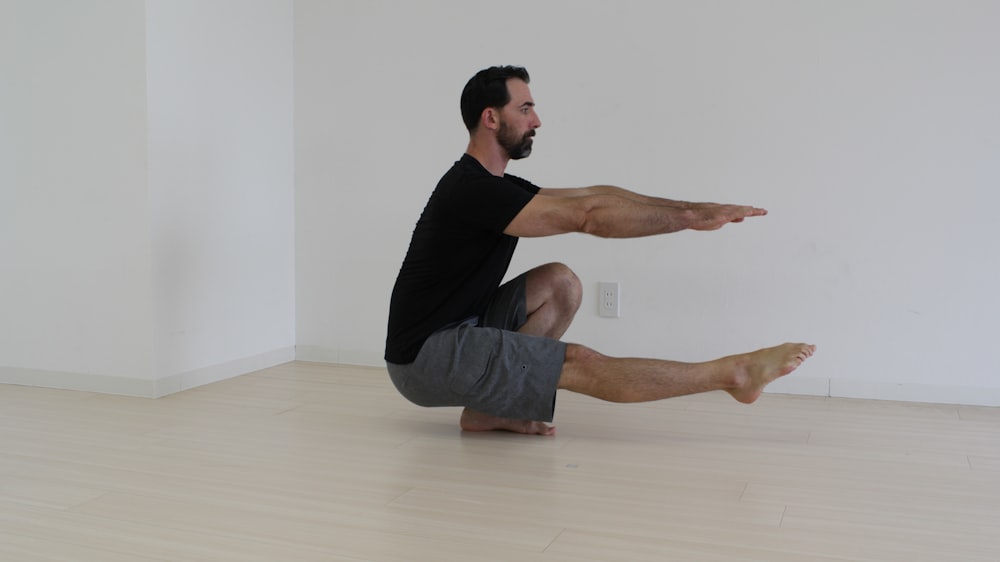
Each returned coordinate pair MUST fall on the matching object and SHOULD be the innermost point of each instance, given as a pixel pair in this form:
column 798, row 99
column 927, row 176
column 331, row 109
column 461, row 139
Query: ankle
column 735, row 375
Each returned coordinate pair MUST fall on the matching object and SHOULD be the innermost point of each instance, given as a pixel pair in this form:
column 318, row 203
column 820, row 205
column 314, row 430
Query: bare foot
column 478, row 421
column 758, row 369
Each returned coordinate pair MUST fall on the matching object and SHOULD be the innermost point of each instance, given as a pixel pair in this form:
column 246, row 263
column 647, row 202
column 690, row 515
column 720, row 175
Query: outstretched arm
column 612, row 212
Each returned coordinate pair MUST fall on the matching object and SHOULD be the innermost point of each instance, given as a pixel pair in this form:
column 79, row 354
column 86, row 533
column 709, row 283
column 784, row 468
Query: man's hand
column 713, row 216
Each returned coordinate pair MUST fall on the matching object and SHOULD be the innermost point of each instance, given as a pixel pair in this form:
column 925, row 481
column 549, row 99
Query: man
column 458, row 338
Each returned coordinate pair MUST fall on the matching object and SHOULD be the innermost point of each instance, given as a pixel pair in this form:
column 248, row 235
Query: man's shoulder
column 467, row 172
column 468, row 178
column 465, row 169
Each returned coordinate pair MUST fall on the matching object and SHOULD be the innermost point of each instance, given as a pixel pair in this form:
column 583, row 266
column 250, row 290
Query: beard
column 516, row 147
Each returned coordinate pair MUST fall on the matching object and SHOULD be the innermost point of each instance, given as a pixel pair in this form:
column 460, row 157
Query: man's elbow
column 596, row 216
column 592, row 223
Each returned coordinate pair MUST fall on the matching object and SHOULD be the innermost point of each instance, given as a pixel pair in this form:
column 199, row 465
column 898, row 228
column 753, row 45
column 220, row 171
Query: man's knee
column 553, row 298
column 564, row 284
column 578, row 369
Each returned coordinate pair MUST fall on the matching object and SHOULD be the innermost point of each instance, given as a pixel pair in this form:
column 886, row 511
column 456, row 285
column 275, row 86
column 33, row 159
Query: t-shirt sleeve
column 491, row 203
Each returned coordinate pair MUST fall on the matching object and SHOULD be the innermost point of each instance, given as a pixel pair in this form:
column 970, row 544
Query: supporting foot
column 478, row 421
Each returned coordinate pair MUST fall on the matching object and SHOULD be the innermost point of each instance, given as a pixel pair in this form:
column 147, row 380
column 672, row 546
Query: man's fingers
column 750, row 212
column 745, row 212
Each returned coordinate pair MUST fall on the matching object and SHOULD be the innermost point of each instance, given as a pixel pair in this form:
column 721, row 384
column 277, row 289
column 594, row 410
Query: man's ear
column 490, row 119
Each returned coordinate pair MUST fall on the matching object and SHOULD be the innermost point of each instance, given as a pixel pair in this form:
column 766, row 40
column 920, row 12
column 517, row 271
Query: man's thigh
column 508, row 310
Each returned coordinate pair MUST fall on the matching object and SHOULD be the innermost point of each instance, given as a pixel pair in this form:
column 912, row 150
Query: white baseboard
column 909, row 392
column 214, row 373
column 84, row 382
column 880, row 390
column 808, row 386
column 144, row 388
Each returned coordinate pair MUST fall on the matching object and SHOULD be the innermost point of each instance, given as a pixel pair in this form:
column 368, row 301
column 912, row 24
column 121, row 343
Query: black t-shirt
column 457, row 257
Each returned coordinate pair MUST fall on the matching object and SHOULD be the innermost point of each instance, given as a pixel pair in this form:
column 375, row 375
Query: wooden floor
column 323, row 462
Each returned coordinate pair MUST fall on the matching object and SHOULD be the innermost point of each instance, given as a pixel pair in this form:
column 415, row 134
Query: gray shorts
column 484, row 364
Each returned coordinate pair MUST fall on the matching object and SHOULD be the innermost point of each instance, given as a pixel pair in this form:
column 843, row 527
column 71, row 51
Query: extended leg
column 743, row 376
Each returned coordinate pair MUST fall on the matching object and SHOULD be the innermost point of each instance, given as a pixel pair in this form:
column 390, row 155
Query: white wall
column 221, row 182
column 869, row 130
column 75, row 279
column 147, row 233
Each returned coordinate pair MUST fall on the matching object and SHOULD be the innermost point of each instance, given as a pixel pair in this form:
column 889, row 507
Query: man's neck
column 492, row 157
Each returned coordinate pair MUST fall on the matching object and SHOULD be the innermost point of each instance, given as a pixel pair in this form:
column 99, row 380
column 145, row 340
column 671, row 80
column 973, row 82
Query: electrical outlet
column 609, row 299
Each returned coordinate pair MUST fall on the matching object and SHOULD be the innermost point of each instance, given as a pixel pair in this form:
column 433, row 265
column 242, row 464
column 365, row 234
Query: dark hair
column 488, row 88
